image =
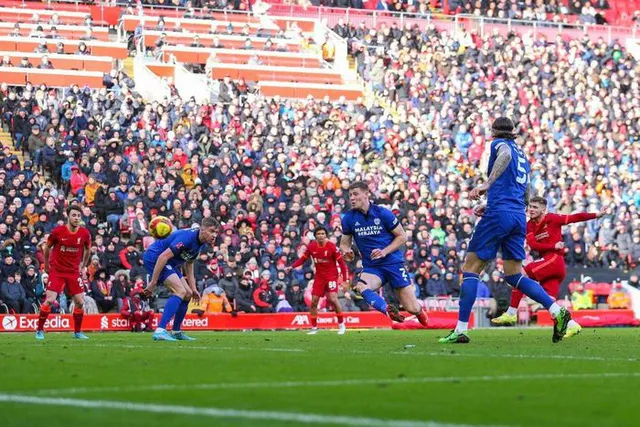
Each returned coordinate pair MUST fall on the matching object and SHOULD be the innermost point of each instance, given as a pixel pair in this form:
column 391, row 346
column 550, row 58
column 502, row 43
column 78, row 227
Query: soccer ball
column 160, row 227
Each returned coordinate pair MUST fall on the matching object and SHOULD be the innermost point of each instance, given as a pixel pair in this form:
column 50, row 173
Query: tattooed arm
column 527, row 194
column 499, row 166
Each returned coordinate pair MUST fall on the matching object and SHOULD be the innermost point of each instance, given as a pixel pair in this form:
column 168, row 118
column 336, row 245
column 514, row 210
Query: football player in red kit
column 66, row 256
column 544, row 235
column 326, row 258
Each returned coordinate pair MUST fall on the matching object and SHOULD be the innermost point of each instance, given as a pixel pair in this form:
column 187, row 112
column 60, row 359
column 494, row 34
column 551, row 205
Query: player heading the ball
column 165, row 261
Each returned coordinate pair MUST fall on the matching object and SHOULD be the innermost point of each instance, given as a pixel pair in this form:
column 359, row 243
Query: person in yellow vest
column 582, row 299
column 328, row 50
column 619, row 297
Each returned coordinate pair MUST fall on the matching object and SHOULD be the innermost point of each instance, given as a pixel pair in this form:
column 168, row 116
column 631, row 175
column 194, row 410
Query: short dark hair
column 538, row 200
column 359, row 185
column 320, row 228
column 209, row 222
column 74, row 208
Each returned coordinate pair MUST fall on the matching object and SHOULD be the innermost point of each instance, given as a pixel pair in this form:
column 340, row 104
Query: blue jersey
column 372, row 231
column 507, row 193
column 184, row 244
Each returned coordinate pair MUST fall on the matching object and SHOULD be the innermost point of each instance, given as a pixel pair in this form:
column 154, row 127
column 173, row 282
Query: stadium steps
column 6, row 140
column 352, row 62
column 127, row 66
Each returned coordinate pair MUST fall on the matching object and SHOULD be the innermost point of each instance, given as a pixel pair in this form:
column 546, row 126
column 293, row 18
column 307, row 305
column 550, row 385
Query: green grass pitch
column 365, row 378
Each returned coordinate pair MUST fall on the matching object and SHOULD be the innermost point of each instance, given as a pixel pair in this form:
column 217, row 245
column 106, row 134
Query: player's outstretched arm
column 503, row 159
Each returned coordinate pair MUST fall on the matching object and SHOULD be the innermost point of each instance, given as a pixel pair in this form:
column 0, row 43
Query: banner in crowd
column 221, row 322
column 594, row 318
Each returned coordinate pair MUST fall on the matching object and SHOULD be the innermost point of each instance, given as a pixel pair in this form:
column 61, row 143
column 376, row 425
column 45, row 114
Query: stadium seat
column 198, row 55
column 97, row 48
column 64, row 62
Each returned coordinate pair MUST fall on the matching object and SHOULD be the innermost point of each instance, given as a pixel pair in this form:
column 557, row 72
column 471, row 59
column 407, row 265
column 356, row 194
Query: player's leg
column 173, row 282
column 510, row 317
column 483, row 247
column 54, row 287
column 74, row 285
column 367, row 284
column 532, row 289
column 332, row 296
column 400, row 282
column 552, row 286
column 313, row 310
column 186, row 295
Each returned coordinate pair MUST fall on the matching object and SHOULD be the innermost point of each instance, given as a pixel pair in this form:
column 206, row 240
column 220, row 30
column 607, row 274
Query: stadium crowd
column 272, row 170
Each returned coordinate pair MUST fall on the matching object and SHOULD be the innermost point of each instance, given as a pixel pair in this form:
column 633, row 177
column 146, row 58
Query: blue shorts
column 168, row 270
column 395, row 275
column 504, row 231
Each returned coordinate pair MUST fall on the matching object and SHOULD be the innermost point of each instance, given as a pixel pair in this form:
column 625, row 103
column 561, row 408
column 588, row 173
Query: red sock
column 340, row 319
column 314, row 321
column 44, row 313
column 78, row 314
column 516, row 296
column 422, row 318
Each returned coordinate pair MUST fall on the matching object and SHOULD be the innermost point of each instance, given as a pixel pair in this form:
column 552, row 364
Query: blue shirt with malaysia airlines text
column 184, row 244
column 370, row 231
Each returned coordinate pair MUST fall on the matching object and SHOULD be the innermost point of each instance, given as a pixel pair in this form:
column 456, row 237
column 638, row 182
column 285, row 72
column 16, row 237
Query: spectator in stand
column 13, row 294
column 581, row 298
column 619, row 298
column 138, row 312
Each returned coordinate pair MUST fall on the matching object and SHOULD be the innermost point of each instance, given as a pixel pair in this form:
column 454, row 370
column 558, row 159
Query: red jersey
column 326, row 258
column 68, row 249
column 542, row 236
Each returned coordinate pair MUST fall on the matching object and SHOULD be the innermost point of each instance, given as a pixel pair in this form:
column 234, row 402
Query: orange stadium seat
column 97, row 48
column 9, row 14
column 199, row 55
column 63, row 31
column 303, row 90
column 280, row 74
column 51, row 78
column 235, row 42
column 64, row 62
column 197, row 26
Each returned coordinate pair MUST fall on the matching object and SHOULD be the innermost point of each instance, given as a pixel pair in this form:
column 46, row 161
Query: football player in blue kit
column 502, row 227
column 379, row 237
column 164, row 261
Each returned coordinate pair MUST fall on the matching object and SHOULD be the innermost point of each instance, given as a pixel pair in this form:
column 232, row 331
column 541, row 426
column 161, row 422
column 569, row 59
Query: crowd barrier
column 218, row 322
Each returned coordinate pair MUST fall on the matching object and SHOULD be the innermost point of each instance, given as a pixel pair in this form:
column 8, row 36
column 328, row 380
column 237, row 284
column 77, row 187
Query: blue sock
column 182, row 311
column 173, row 303
column 530, row 288
column 468, row 292
column 375, row 300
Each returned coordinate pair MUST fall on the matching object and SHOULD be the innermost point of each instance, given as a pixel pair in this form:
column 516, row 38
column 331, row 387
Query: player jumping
column 66, row 256
column 164, row 260
column 379, row 236
column 502, row 227
column 544, row 235
column 327, row 259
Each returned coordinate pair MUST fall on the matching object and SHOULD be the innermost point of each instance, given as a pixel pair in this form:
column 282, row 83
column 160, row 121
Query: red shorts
column 58, row 282
column 324, row 286
column 549, row 272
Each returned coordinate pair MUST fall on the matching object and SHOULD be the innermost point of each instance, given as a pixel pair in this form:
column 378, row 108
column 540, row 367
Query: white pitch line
column 300, row 418
column 332, row 383
column 411, row 352
column 173, row 347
